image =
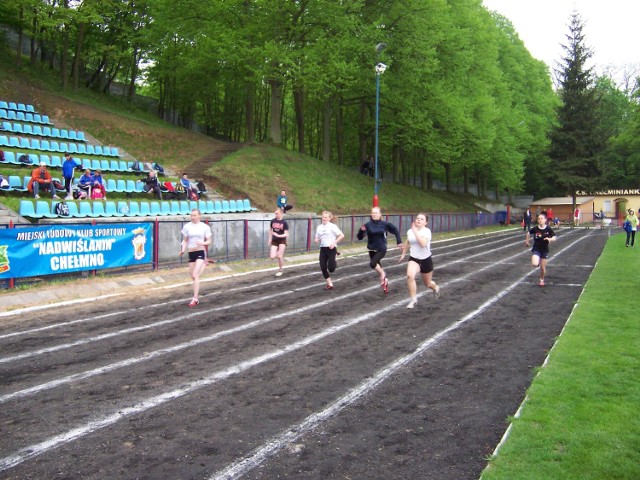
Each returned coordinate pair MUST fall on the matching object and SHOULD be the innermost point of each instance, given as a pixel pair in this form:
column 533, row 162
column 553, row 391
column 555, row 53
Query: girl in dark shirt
column 376, row 231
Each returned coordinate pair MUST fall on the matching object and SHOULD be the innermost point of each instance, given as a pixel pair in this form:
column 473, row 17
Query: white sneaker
column 36, row 196
column 69, row 197
column 436, row 292
column 279, row 273
column 56, row 197
column 412, row 303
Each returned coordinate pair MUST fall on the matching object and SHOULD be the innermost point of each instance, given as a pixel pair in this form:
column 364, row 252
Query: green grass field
column 580, row 420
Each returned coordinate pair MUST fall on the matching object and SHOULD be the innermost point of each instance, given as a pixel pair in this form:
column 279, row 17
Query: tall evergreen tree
column 577, row 141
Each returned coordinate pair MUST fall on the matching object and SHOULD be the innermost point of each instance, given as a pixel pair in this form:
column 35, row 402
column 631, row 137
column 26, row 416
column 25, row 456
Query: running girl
column 196, row 237
column 278, row 241
column 418, row 244
column 328, row 234
column 542, row 235
column 376, row 231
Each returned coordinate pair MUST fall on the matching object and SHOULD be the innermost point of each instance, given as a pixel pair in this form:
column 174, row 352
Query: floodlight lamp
column 380, row 68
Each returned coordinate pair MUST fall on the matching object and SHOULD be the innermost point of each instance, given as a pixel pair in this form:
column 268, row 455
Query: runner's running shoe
column 279, row 273
column 385, row 285
column 541, row 283
column 194, row 302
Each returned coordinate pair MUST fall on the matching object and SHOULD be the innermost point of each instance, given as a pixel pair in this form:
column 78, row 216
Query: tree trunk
column 275, row 129
column 75, row 69
column 20, row 38
column 249, row 112
column 327, row 113
column 340, row 134
column 447, row 173
column 465, row 175
column 131, row 91
column 362, row 131
column 298, row 101
column 34, row 49
column 65, row 52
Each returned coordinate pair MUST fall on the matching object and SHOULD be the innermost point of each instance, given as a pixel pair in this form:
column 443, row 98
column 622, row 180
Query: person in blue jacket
column 68, row 169
column 376, row 231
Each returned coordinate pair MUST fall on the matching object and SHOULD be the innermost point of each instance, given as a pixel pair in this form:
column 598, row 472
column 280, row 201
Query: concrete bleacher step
column 7, row 216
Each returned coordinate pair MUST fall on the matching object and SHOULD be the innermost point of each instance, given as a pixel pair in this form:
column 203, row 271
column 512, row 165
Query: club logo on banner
column 46, row 250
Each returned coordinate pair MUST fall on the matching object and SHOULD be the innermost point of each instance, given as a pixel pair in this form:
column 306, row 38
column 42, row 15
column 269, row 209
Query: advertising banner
column 56, row 249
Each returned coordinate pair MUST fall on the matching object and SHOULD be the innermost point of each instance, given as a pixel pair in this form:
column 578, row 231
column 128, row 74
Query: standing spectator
column 196, row 238
column 526, row 220
column 376, row 231
column 549, row 215
column 282, row 202
column 542, row 235
column 85, row 183
column 41, row 179
column 151, row 184
column 328, row 235
column 68, row 169
column 278, row 240
column 632, row 227
column 99, row 191
column 576, row 216
column 419, row 245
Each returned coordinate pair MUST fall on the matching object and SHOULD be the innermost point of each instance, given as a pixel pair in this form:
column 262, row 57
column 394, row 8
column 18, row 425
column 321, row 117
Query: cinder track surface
column 278, row 378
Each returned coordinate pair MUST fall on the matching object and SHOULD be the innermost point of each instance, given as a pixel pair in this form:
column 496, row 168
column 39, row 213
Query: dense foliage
column 462, row 101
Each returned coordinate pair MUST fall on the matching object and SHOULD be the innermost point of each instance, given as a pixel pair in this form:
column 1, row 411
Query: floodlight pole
column 380, row 68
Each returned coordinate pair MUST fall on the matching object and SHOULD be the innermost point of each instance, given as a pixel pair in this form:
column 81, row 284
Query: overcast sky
column 611, row 28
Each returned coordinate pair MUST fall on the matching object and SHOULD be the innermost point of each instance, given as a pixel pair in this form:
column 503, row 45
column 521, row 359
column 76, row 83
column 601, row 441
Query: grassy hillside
column 258, row 172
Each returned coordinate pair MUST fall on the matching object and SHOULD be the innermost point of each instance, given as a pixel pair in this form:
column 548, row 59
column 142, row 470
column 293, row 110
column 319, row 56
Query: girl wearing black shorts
column 196, row 238
column 418, row 244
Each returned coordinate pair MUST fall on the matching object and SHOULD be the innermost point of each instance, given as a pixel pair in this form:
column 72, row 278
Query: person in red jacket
column 41, row 180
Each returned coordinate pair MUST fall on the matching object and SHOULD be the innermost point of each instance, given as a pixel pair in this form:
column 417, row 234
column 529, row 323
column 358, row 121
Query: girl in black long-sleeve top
column 376, row 231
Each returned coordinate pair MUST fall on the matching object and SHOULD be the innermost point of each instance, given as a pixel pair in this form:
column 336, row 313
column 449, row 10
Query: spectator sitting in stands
column 85, row 183
column 98, row 191
column 151, row 184
column 41, row 179
column 188, row 186
column 68, row 169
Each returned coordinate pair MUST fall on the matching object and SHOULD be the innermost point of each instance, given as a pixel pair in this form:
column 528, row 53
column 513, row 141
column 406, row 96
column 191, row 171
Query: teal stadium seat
column 37, row 130
column 73, row 135
column 27, row 209
column 73, row 209
column 26, row 129
column 111, row 210
column 175, row 207
column 81, row 137
column 82, row 149
column 98, row 209
column 56, row 161
column 55, row 132
column 130, row 186
column 43, row 209
column 64, row 133
column 225, row 206
column 84, row 210
column 28, row 117
column 184, row 207
column 10, row 157
column 73, row 148
column 45, row 158
column 15, row 182
column 16, row 128
column 155, row 209
column 217, row 206
column 4, row 141
column 46, row 131
column 165, row 208
column 145, row 209
column 121, row 186
column 247, row 206
column 104, row 165
column 111, row 185
column 210, row 208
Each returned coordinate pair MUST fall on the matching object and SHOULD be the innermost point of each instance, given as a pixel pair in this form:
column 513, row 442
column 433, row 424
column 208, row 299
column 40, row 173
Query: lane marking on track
column 35, row 450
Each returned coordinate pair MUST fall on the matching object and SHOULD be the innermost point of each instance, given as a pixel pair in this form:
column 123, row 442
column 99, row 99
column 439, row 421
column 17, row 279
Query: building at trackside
column 613, row 203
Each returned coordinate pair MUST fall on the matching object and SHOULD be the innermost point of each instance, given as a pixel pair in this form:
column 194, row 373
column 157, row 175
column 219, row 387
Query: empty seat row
column 55, row 161
column 39, row 131
column 17, row 106
column 62, row 147
column 24, row 117
column 97, row 208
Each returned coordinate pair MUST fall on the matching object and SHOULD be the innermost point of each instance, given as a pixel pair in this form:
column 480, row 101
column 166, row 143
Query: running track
column 278, row 378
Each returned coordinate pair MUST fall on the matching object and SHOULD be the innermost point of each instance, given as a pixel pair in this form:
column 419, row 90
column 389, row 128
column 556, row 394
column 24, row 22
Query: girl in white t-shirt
column 419, row 245
column 328, row 235
column 196, row 238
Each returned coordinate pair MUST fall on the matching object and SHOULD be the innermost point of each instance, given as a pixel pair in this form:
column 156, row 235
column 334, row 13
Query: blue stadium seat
column 193, row 205
column 55, row 132
column 184, row 207
column 81, row 137
column 37, row 130
column 4, row 104
column 98, row 150
column 10, row 157
column 35, row 144
column 34, row 158
column 44, row 145
column 4, row 140
column 24, row 143
column 121, row 186
column 247, row 206
column 27, row 209
column 20, row 116
column 59, row 190
column 14, row 142
column 145, row 209
column 122, row 166
column 233, row 207
column 73, row 209
column 114, row 166
column 45, row 119
column 73, row 135
column 7, row 127
column 210, row 206
column 114, row 152
column 217, row 206
column 95, row 164
column 106, row 151
column 86, row 163
column 13, row 106
column 130, row 186
column 37, row 118
column 22, row 107
column 73, row 148
column 30, row 108
column 15, row 182
column 54, row 147
column 90, row 150
column 46, row 131
column 155, row 210
column 98, row 209
column 28, row 117
column 175, row 207
column 11, row 115
column 165, row 207
column 104, row 165
column 64, row 133
column 202, row 206
column 82, row 149
column 3, row 113
column 225, row 206
column 45, row 158
column 84, row 209
column 123, row 208
column 56, row 161
column 26, row 129
column 111, row 185
column 43, row 209
column 63, row 147
column 140, row 187
column 111, row 209
column 16, row 128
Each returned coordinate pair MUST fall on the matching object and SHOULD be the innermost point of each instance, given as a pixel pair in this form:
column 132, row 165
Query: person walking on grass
column 418, row 244
column 278, row 240
column 632, row 226
column 328, row 235
column 196, row 238
column 376, row 231
column 542, row 235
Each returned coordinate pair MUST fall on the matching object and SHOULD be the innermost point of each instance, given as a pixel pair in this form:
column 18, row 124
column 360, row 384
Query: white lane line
column 32, row 451
column 238, row 468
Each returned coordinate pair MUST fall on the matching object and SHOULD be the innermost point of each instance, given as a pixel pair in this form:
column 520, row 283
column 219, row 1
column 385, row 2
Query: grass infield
column 580, row 419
